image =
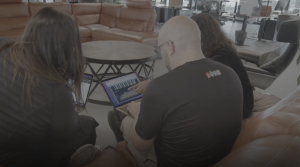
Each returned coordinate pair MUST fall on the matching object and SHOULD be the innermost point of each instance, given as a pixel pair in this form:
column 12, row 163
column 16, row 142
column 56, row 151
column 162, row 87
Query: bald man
column 193, row 113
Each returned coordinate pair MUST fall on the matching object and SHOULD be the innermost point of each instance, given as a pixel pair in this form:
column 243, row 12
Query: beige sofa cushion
column 123, row 35
column 86, row 13
column 281, row 119
column 109, row 14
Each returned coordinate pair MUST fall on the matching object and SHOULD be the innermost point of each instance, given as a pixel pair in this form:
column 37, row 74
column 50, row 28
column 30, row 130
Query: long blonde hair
column 50, row 48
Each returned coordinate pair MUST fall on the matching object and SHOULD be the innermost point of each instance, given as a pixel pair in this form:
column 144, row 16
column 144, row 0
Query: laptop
column 117, row 91
column 86, row 83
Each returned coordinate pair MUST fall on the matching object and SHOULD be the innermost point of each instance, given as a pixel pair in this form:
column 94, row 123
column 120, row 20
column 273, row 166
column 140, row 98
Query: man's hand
column 134, row 108
column 140, row 87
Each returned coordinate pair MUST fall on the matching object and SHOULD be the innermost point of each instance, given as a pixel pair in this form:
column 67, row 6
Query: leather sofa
column 133, row 22
column 270, row 137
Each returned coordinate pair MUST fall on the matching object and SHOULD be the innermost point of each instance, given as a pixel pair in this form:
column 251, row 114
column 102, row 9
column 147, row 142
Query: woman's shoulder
column 225, row 51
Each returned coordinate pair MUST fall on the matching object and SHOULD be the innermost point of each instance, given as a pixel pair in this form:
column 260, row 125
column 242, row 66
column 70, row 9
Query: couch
column 269, row 138
column 134, row 21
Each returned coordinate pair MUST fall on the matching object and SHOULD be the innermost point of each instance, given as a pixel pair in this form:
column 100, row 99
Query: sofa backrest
column 66, row 7
column 109, row 14
column 135, row 19
column 86, row 13
column 137, row 15
column 14, row 16
column 281, row 119
column 10, row 1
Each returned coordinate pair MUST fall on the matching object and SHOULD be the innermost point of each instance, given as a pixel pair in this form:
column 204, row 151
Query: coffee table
column 112, row 56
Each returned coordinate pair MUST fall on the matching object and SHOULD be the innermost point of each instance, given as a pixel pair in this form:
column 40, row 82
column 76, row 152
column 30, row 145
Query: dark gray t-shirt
column 195, row 113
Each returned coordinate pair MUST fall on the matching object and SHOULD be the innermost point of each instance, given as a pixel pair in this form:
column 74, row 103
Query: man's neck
column 189, row 58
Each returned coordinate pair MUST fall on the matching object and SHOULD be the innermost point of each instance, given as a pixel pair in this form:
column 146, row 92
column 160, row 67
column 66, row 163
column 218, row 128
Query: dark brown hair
column 50, row 48
column 212, row 36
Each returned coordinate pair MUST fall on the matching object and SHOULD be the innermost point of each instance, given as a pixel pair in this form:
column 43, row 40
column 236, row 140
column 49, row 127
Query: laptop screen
column 117, row 89
column 87, row 80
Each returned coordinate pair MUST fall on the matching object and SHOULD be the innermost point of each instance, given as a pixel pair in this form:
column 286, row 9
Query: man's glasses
column 157, row 49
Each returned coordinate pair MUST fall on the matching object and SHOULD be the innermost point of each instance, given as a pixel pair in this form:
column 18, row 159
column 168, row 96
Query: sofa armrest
column 274, row 151
column 263, row 101
column 150, row 41
column 256, row 69
column 248, row 55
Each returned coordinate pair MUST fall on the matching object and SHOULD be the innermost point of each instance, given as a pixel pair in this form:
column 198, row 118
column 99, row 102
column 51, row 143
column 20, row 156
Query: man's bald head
column 181, row 30
column 180, row 42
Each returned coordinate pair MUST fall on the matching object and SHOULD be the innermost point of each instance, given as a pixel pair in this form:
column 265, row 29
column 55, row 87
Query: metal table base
column 116, row 68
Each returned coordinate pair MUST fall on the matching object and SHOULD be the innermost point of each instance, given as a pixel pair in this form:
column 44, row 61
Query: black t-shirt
column 195, row 113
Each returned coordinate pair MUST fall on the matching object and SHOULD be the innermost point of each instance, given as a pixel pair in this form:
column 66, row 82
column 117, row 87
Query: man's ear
column 171, row 48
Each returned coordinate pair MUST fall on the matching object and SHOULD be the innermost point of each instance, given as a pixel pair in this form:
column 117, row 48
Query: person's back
column 201, row 114
column 26, row 123
column 216, row 46
column 228, row 57
column 193, row 114
column 38, row 122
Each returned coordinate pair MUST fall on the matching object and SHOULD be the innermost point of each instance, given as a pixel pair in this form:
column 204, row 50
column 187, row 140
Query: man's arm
column 139, row 143
column 148, row 117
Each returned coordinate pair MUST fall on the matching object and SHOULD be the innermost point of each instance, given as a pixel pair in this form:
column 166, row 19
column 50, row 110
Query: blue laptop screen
column 117, row 89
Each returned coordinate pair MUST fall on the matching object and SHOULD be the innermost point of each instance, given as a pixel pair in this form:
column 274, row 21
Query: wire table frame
column 113, row 57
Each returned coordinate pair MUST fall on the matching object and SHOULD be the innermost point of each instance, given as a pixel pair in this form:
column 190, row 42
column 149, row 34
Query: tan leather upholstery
column 134, row 19
column 135, row 23
column 109, row 14
column 86, row 13
column 85, row 39
column 139, row 4
column 84, row 32
column 13, row 19
column 15, row 34
column 262, row 102
column 35, row 7
column 14, row 10
column 94, row 27
column 10, row 1
column 274, row 151
column 281, row 119
column 271, row 138
column 14, row 23
column 116, row 35
column 123, row 35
